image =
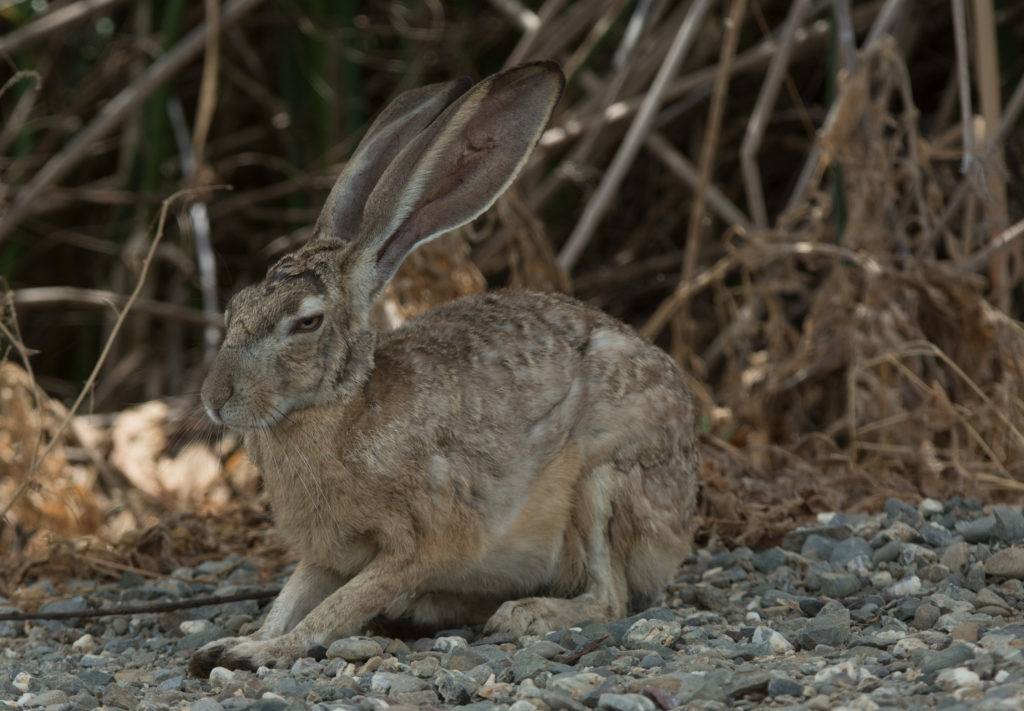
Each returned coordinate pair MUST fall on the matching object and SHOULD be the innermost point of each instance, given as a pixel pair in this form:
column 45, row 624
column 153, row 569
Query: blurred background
column 812, row 205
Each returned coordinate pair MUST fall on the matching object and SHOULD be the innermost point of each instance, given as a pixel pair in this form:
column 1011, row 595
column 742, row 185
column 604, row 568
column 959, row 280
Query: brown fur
column 501, row 446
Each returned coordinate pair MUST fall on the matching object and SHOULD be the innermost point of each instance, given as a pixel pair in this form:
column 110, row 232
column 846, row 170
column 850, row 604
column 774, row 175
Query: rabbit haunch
column 513, row 457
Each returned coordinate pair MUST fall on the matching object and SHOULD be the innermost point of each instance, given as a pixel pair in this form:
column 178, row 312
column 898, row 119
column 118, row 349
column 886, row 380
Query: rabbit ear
column 396, row 125
column 455, row 168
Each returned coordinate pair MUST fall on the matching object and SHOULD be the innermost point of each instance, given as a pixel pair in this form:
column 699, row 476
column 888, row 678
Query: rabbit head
column 435, row 159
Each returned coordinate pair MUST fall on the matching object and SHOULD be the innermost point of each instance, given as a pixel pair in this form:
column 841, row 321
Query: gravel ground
column 912, row 608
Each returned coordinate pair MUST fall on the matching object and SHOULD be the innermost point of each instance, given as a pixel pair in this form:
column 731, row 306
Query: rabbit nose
column 214, row 396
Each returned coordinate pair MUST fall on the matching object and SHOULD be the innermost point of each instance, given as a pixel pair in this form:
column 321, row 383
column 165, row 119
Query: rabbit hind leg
column 605, row 591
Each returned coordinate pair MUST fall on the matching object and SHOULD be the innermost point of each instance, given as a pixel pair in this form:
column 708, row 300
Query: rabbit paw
column 249, row 654
column 532, row 615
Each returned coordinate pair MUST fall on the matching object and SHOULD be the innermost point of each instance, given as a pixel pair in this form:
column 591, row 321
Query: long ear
column 408, row 114
column 455, row 168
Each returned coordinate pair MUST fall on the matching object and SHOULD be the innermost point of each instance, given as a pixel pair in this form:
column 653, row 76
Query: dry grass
column 803, row 240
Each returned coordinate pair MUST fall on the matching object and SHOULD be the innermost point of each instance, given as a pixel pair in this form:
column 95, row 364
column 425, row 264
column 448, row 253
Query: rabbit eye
column 307, row 324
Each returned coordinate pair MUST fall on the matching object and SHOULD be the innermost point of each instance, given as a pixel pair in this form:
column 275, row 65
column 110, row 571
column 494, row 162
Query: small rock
column 207, row 704
column 455, row 687
column 221, row 674
column 172, row 684
column 576, row 684
column 839, row 585
column 886, row 553
column 51, row 697
column 625, row 702
column 769, row 560
column 956, row 556
column 910, row 585
column 901, row 511
column 848, row 551
column 925, row 616
column 654, row 632
column 977, row 531
column 832, row 629
column 748, row 682
column 448, row 643
column 935, row 535
column 784, row 687
column 1008, row 563
column 119, row 697
column 952, row 656
column 818, row 546
column 84, row 644
column 966, row 631
column 1008, row 526
column 465, row 658
column 193, row 626
column 775, row 642
column 354, row 649
column 956, row 678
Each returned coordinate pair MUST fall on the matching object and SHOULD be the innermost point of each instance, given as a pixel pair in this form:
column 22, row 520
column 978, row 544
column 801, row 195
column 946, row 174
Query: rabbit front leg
column 307, row 587
column 343, row 613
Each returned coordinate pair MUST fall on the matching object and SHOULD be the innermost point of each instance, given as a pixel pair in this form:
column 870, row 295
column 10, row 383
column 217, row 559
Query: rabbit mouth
column 248, row 422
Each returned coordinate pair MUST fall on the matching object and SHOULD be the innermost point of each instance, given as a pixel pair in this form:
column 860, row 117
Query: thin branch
column 1011, row 112
column 963, row 75
column 997, row 245
column 113, row 113
column 87, row 388
column 52, row 23
column 645, row 117
column 683, row 169
column 45, row 296
column 169, row 606
column 758, row 122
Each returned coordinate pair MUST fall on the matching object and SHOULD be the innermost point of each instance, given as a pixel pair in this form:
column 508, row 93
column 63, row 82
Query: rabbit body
column 514, row 457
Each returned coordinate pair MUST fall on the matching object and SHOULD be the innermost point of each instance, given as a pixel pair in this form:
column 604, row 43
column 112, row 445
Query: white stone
column 909, row 585
column 192, row 626
column 905, row 646
column 776, row 642
column 84, row 644
column 22, row 681
column 522, row 705
column 956, row 678
column 447, row 644
column 656, row 631
column 221, row 674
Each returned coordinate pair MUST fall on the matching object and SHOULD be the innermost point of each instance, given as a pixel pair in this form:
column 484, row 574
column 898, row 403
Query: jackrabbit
column 513, row 457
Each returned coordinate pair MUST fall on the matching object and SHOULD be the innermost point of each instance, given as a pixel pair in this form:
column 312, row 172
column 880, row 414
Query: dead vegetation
column 806, row 204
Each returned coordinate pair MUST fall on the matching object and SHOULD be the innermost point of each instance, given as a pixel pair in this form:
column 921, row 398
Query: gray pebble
column 818, row 546
column 778, row 686
column 887, row 552
column 455, row 687
column 935, row 535
column 978, row 530
column 769, row 560
column 830, row 628
column 354, row 649
column 839, row 585
column 625, row 702
column 956, row 556
column 1008, row 563
column 848, row 550
column 1008, row 526
column 206, row 704
column 925, row 616
column 902, row 511
column 953, row 656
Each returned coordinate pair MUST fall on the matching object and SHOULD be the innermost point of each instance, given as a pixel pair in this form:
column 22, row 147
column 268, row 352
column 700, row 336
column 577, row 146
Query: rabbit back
column 557, row 418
